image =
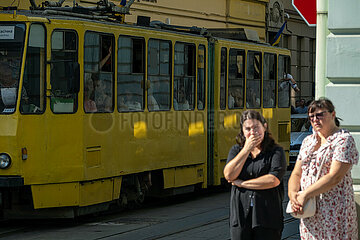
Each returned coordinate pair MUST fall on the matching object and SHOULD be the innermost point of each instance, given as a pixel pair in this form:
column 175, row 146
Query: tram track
column 7, row 232
column 166, row 229
column 177, row 217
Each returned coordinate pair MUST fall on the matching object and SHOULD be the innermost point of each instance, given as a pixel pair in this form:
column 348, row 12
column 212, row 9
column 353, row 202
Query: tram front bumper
column 11, row 181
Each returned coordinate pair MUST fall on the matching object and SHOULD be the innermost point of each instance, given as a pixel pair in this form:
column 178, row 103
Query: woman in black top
column 255, row 167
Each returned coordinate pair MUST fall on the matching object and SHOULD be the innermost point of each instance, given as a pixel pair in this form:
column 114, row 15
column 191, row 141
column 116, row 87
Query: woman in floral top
column 335, row 216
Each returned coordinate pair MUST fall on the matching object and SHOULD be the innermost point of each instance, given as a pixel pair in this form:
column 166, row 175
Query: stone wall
column 343, row 72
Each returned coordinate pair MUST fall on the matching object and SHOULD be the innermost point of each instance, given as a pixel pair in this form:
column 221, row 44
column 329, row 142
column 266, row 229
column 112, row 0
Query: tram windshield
column 11, row 48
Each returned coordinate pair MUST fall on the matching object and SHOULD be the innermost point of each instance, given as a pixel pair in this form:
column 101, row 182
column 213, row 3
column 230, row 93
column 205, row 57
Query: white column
column 321, row 33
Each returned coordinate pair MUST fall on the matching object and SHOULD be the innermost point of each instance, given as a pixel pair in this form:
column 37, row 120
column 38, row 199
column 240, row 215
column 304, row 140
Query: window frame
column 223, row 79
column 280, row 76
column 99, row 71
column 131, row 72
column 274, row 80
column 44, row 71
column 189, row 78
column 230, row 79
column 148, row 84
column 203, row 85
column 76, row 98
column 256, row 53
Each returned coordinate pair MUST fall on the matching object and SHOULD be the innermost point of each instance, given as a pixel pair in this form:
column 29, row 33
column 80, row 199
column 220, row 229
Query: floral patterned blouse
column 335, row 216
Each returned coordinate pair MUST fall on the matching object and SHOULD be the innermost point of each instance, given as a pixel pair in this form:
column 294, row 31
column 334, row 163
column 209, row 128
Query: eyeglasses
column 318, row 116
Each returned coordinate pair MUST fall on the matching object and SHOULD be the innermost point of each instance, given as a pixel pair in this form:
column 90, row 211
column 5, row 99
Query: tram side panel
column 245, row 60
column 144, row 141
column 225, row 122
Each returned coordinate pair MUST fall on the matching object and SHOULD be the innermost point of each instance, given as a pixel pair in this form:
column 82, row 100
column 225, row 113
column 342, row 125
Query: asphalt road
column 193, row 216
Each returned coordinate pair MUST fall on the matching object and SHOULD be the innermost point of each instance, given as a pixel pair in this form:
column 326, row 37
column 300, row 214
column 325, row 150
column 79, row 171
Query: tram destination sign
column 7, row 32
column 307, row 10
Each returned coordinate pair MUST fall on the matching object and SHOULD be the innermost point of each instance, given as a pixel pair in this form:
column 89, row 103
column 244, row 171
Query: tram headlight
column 5, row 161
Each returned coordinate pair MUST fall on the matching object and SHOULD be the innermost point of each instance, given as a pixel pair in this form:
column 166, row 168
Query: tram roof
column 216, row 34
column 262, row 44
column 47, row 15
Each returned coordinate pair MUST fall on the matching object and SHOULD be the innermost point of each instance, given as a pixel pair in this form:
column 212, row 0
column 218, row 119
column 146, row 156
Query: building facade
column 342, row 73
column 339, row 33
column 300, row 39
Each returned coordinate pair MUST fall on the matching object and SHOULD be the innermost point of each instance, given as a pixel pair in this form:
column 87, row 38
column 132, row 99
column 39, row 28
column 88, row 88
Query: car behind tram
column 95, row 112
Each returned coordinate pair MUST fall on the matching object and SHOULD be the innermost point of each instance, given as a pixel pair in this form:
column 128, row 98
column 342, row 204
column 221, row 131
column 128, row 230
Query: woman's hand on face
column 253, row 141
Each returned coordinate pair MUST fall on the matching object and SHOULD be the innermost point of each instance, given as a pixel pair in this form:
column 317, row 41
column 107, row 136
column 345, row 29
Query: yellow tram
column 94, row 112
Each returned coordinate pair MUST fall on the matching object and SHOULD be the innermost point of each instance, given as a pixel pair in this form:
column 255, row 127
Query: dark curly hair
column 325, row 104
column 268, row 142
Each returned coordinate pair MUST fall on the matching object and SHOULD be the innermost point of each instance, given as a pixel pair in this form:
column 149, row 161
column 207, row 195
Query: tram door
column 32, row 133
column 99, row 134
column 64, row 138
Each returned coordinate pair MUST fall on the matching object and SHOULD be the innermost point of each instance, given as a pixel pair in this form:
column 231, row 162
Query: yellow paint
column 75, row 194
column 249, row 10
column 55, row 195
column 140, row 129
column 230, row 121
column 183, row 176
column 268, row 113
column 9, row 125
column 95, row 192
column 93, row 156
column 196, row 128
column 221, row 167
column 169, row 178
column 117, row 188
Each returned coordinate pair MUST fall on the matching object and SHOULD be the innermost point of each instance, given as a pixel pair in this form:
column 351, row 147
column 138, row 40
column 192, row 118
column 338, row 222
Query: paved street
column 193, row 216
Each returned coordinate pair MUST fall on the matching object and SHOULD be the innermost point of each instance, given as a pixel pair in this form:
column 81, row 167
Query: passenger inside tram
column 180, row 101
column 102, row 95
column 236, row 99
column 128, row 102
column 252, row 99
column 9, row 86
column 89, row 104
column 152, row 102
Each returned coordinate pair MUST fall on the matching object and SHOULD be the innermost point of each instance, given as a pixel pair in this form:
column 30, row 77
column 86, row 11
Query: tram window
column 159, row 65
column 105, row 64
column 253, row 80
column 223, row 78
column 11, row 49
column 64, row 71
column 98, row 73
column 184, row 76
column 131, row 74
column 284, row 87
column 236, row 78
column 33, row 99
column 201, row 77
column 269, row 76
